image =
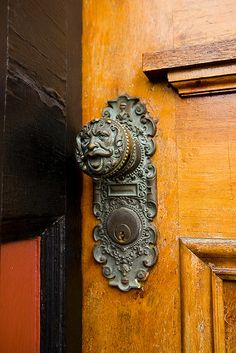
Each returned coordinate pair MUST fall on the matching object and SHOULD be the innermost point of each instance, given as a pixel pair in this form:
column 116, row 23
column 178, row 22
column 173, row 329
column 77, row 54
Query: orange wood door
column 187, row 51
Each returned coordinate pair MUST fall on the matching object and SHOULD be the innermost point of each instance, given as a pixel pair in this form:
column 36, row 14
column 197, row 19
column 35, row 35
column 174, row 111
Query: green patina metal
column 115, row 151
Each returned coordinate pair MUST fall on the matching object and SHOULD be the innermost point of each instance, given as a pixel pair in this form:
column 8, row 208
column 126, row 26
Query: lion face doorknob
column 115, row 151
column 105, row 148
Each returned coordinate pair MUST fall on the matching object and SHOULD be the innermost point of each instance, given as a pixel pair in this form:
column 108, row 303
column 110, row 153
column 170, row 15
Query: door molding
column 204, row 264
column 195, row 70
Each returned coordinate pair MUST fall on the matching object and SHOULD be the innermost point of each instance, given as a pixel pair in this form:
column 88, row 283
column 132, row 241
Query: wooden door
column 178, row 57
column 40, row 78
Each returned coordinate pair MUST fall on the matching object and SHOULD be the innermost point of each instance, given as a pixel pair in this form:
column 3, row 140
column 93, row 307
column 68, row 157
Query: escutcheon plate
column 115, row 150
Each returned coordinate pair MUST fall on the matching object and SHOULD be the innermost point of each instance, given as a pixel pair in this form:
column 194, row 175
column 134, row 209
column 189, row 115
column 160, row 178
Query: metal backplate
column 124, row 201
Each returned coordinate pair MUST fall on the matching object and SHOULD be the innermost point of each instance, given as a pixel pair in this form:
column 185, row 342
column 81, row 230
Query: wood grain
column 40, row 112
column 205, row 266
column 203, row 21
column 210, row 79
column 72, row 305
column 218, row 314
column 203, row 87
column 229, row 297
column 3, row 69
column 205, row 248
column 197, row 325
column 207, row 166
column 148, row 320
column 196, row 165
column 158, row 63
column 52, row 292
column 210, row 71
column 33, row 179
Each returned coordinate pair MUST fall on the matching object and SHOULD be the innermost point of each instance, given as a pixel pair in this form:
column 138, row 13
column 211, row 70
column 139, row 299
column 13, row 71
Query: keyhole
column 121, row 235
column 122, row 227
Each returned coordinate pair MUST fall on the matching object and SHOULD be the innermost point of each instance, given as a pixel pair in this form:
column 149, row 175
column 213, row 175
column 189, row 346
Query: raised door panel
column 207, row 275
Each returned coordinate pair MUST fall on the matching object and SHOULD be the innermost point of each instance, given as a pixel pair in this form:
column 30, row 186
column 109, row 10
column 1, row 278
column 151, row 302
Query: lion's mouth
column 95, row 163
column 96, row 158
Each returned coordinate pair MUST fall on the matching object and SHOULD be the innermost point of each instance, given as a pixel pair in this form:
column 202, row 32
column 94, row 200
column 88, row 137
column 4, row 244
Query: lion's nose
column 91, row 146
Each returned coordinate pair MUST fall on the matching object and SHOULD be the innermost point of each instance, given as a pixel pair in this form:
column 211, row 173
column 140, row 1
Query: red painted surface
column 20, row 297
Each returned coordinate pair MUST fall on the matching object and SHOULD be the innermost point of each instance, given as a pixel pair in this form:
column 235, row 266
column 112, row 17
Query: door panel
column 207, row 275
column 203, row 21
column 180, row 303
column 20, row 296
column 206, row 140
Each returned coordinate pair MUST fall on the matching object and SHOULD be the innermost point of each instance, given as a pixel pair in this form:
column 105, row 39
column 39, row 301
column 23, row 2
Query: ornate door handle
column 115, row 151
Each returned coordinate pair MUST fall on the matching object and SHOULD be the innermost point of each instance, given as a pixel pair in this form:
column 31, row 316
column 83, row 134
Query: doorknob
column 106, row 148
column 115, row 151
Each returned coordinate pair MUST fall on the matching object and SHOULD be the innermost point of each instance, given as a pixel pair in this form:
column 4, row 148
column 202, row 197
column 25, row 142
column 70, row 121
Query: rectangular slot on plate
column 122, row 190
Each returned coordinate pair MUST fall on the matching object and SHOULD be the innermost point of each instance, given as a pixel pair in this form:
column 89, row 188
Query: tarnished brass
column 115, row 151
column 123, row 225
column 105, row 148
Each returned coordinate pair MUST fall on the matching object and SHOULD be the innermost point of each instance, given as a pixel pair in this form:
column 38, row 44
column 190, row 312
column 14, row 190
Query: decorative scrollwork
column 115, row 150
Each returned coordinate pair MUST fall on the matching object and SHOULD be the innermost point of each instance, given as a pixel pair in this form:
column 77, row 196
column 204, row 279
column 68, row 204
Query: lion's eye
column 102, row 135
